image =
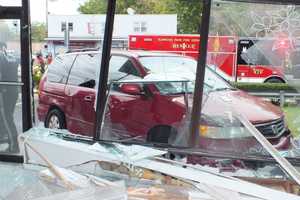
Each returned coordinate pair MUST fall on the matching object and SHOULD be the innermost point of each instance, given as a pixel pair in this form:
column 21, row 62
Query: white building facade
column 88, row 30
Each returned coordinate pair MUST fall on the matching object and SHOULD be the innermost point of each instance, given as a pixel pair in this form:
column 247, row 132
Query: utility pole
column 47, row 16
column 67, row 27
column 47, row 13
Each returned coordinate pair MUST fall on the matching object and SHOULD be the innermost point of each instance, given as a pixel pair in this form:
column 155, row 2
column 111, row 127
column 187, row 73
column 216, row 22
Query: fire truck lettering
column 175, row 46
column 165, row 40
column 258, row 71
column 244, row 42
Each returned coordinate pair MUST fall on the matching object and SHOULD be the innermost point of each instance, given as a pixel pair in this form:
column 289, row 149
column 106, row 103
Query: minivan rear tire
column 55, row 119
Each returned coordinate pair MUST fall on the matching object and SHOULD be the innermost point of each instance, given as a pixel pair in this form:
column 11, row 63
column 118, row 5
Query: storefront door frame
column 22, row 13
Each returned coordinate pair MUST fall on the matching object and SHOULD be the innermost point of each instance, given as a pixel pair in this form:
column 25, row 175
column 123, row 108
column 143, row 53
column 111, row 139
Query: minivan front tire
column 55, row 120
column 161, row 134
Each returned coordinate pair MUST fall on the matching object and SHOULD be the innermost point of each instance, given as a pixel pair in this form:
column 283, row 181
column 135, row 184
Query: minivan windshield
column 179, row 68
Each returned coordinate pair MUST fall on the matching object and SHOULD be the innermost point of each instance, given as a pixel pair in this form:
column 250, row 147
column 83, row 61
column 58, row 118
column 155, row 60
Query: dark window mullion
column 26, row 66
column 10, row 12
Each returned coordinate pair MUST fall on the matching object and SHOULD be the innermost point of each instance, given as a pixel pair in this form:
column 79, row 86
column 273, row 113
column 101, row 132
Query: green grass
column 293, row 119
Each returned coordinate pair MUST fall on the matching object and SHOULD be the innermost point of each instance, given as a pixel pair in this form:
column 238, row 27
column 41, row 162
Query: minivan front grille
column 272, row 129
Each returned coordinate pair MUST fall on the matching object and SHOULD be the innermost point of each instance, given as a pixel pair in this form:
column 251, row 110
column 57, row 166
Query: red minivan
column 151, row 111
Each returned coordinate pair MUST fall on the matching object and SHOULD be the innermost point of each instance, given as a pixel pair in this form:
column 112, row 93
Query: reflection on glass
column 137, row 110
column 252, row 45
column 149, row 96
column 256, row 44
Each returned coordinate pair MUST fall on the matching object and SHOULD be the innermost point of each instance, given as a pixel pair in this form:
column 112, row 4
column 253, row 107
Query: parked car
column 151, row 111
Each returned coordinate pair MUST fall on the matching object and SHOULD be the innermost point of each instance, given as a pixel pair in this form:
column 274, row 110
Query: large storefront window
column 66, row 87
column 252, row 47
column 151, row 83
column 246, row 92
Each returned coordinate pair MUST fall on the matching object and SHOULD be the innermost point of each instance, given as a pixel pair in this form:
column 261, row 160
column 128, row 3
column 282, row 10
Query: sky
column 38, row 7
column 65, row 7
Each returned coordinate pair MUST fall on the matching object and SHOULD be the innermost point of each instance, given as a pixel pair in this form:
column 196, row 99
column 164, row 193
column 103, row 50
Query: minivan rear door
column 52, row 86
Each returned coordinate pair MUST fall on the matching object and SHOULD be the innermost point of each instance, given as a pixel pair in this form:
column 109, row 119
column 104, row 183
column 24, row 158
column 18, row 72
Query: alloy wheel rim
column 54, row 122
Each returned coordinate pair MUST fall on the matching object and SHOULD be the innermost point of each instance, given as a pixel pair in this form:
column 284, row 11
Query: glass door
column 10, row 85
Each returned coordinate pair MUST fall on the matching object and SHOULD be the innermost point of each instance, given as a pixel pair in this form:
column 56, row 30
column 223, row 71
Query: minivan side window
column 121, row 66
column 83, row 72
column 58, row 71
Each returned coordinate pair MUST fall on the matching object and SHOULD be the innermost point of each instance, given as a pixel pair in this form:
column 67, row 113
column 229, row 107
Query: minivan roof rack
column 82, row 50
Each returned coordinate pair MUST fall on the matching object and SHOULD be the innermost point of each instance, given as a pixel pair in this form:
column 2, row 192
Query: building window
column 140, row 27
column 96, row 28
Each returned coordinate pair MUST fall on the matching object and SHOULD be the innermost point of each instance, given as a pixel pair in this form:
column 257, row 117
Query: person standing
column 41, row 62
column 49, row 58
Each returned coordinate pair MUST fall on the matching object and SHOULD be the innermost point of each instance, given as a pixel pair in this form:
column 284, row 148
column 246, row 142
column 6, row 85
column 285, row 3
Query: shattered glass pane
column 141, row 169
column 254, row 48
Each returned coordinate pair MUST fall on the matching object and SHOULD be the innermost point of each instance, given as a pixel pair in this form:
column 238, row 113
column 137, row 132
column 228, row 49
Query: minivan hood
column 181, row 76
column 255, row 109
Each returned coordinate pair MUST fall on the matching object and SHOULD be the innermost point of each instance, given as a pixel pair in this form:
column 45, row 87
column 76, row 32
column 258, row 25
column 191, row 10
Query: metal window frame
column 27, row 90
column 22, row 13
column 11, row 12
column 200, row 73
column 104, row 68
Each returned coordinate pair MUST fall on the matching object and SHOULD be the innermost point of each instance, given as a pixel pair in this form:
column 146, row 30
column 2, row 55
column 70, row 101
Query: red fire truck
column 235, row 59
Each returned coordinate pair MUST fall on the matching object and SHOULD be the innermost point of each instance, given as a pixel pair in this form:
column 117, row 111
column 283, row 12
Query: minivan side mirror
column 129, row 88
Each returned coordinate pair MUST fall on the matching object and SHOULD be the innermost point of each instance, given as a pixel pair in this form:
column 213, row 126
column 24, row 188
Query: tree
column 140, row 6
column 38, row 32
column 188, row 11
column 189, row 15
column 93, row 7
column 230, row 19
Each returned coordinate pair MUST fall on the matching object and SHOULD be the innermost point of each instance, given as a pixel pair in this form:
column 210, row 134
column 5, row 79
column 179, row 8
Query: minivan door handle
column 88, row 98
